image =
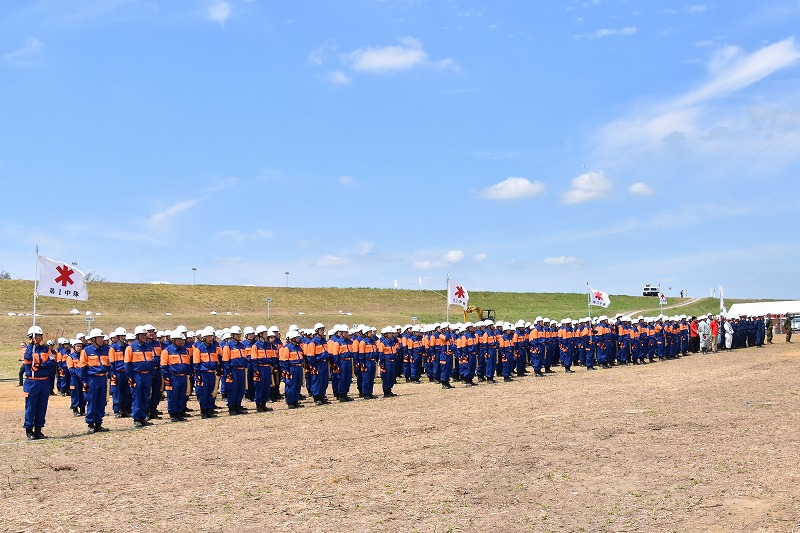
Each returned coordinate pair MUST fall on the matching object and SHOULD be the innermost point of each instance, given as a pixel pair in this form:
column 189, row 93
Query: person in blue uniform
column 77, row 400
column 138, row 361
column 291, row 361
column 234, row 360
column 40, row 367
column 94, row 367
column 176, row 361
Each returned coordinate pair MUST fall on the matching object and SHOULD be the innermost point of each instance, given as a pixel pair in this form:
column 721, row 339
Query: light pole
column 287, row 279
column 194, row 276
column 269, row 300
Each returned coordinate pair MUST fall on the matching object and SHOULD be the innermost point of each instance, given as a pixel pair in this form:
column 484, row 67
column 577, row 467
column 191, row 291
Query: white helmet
column 261, row 329
column 138, row 330
column 235, row 329
column 149, row 327
column 182, row 329
column 248, row 330
column 35, row 330
column 62, row 340
column 118, row 332
column 190, row 334
column 293, row 327
column 130, row 337
column 176, row 334
column 273, row 330
column 293, row 334
column 96, row 332
column 318, row 325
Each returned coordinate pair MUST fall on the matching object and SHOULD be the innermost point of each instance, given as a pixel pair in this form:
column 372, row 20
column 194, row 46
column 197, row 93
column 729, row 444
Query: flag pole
column 447, row 309
column 589, row 301
column 591, row 326
column 35, row 284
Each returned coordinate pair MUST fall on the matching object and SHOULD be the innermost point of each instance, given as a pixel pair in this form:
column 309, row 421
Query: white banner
column 457, row 294
column 599, row 298
column 662, row 298
column 60, row 280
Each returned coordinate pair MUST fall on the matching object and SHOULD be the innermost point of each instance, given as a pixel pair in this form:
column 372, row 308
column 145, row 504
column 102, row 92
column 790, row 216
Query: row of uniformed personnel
column 252, row 362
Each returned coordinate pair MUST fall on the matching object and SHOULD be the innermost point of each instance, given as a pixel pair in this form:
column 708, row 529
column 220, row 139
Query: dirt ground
column 702, row 443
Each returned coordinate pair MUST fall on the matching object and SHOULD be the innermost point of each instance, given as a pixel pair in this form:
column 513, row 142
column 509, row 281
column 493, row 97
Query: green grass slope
column 124, row 304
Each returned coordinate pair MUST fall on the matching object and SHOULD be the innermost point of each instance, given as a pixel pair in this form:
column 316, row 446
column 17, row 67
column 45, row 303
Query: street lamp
column 287, row 279
column 194, row 276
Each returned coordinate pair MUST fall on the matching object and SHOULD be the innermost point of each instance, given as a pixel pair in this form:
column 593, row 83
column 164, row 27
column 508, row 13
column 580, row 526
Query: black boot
column 154, row 414
column 232, row 411
column 29, row 434
column 37, row 433
column 137, row 424
column 75, row 412
column 82, row 410
column 99, row 428
column 91, row 429
column 241, row 410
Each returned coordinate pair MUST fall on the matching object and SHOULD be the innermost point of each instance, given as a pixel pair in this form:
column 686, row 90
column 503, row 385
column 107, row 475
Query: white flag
column 457, row 294
column 722, row 309
column 662, row 298
column 60, row 280
column 599, row 298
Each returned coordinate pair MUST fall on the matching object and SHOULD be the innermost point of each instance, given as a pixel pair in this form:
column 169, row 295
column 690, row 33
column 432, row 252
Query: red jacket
column 693, row 329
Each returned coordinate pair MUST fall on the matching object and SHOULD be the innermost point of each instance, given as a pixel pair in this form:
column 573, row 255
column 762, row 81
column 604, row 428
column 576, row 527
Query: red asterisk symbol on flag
column 460, row 291
column 64, row 278
column 598, row 295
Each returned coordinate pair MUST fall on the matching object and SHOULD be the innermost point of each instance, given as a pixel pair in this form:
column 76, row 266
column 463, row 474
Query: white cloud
column 479, row 257
column 610, row 32
column 160, row 218
column 331, row 260
column 219, row 11
column 448, row 258
column 407, row 55
column 562, row 260
column 320, row 55
column 347, row 181
column 512, row 189
column 698, row 8
column 338, row 77
column 28, row 55
column 381, row 60
column 425, row 265
column 691, row 115
column 239, row 236
column 641, row 189
column 587, row 186
column 733, row 73
column 453, row 256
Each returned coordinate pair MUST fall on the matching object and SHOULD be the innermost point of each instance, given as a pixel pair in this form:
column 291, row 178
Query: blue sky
column 522, row 146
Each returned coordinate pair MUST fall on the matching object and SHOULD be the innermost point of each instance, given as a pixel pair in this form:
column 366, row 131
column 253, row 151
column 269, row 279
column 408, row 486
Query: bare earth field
column 702, row 443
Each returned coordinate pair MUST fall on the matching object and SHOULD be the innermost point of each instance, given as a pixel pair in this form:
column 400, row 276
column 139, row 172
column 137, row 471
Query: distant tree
column 91, row 277
column 5, row 275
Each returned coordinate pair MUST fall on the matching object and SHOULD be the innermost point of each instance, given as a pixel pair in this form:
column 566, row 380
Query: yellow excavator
column 483, row 314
